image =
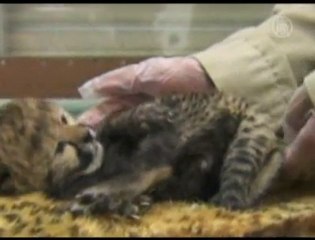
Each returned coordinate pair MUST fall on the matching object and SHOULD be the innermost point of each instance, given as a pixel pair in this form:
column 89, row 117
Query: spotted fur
column 32, row 132
column 183, row 147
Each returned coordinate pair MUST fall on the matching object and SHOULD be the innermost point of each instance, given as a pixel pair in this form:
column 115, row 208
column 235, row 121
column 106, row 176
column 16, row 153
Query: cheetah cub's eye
column 60, row 147
column 64, row 119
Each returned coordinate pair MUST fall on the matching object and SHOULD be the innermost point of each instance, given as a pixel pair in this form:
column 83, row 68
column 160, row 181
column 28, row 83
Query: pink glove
column 299, row 131
column 133, row 84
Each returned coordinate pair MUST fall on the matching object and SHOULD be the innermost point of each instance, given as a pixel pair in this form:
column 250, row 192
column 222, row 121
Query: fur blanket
column 287, row 213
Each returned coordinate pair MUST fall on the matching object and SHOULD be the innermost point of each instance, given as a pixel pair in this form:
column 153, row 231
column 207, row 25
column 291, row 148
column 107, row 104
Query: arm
column 261, row 64
column 257, row 63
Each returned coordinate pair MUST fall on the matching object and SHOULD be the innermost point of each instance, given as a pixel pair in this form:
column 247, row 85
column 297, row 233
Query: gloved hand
column 297, row 113
column 299, row 132
column 133, row 84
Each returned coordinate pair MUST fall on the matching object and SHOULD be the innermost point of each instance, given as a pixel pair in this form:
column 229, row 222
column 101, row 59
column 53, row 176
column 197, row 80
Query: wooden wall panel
column 52, row 77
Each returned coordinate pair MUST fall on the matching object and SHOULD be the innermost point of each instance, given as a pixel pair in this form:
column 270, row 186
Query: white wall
column 120, row 29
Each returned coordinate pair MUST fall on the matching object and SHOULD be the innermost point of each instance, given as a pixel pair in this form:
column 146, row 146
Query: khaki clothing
column 266, row 63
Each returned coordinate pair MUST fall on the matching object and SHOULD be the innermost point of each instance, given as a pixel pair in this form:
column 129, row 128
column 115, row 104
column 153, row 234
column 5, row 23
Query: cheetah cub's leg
column 121, row 192
column 252, row 162
column 122, row 195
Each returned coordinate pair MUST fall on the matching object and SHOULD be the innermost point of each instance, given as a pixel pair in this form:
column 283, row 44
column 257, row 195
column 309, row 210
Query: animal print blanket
column 287, row 213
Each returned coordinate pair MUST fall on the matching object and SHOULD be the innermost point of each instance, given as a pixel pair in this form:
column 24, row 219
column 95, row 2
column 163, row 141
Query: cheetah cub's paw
column 228, row 201
column 92, row 202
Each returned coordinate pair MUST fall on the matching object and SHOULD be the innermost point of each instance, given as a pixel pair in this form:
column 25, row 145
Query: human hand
column 297, row 113
column 133, row 84
column 300, row 155
column 299, row 133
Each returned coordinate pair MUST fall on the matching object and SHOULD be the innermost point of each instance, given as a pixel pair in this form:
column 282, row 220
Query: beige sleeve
column 266, row 63
column 309, row 83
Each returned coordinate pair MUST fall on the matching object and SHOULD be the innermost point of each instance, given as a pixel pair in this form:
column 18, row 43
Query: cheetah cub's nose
column 90, row 136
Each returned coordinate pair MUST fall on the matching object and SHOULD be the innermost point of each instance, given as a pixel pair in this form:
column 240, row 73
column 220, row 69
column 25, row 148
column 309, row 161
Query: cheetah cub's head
column 42, row 146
